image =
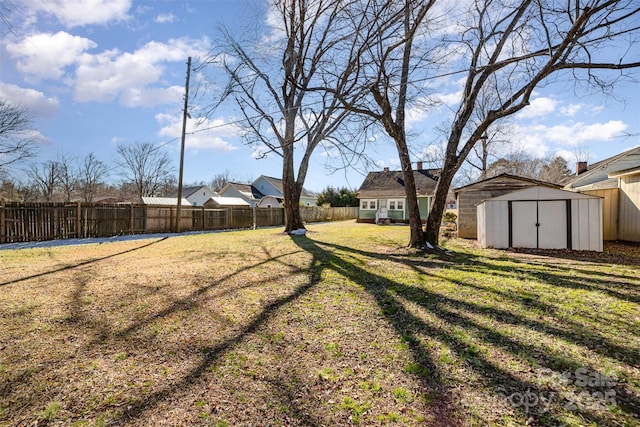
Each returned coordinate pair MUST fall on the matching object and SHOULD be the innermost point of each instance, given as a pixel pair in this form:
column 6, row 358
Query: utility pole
column 185, row 113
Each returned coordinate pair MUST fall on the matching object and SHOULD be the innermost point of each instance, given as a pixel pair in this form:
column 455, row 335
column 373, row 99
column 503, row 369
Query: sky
column 99, row 73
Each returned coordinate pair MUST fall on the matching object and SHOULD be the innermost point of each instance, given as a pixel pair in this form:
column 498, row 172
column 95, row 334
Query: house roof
column 506, row 175
column 625, row 172
column 165, row 201
column 188, row 191
column 247, row 189
column 277, row 183
column 391, row 183
column 600, row 171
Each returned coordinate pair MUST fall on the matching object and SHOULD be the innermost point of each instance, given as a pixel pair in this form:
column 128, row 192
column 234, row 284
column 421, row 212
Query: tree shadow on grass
column 455, row 315
column 80, row 264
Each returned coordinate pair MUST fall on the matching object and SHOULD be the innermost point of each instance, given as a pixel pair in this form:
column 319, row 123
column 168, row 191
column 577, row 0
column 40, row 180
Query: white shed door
column 552, row 217
column 524, row 220
column 539, row 224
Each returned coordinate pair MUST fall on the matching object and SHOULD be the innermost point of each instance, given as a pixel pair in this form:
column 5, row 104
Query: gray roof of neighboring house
column 391, row 183
column 277, row 182
column 600, row 171
column 188, row 190
column 248, row 189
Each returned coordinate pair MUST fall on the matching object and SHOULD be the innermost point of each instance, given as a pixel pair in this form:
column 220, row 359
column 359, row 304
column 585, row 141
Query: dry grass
column 341, row 327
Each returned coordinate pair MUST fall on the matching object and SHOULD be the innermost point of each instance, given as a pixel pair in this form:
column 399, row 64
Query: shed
column 226, row 202
column 541, row 217
column 469, row 196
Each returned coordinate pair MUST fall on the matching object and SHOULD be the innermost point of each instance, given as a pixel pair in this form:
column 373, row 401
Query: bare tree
column 92, row 175
column 283, row 115
column 67, row 176
column 220, row 180
column 146, row 167
column 16, row 140
column 383, row 63
column 509, row 50
column 44, row 177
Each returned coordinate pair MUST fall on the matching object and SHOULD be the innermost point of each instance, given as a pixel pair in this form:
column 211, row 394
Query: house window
column 396, row 205
column 368, row 205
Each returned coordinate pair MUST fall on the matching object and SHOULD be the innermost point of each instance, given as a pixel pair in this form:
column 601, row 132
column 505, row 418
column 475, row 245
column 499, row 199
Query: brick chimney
column 419, row 166
column 581, row 167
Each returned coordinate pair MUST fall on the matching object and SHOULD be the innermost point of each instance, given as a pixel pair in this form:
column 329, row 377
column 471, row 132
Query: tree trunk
column 439, row 204
column 416, row 238
column 292, row 217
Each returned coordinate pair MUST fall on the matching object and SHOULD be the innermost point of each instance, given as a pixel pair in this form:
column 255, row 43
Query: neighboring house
column 270, row 186
column 470, row 196
column 263, row 186
column 382, row 195
column 197, row 195
column 628, row 203
column 612, row 179
column 225, row 202
column 246, row 192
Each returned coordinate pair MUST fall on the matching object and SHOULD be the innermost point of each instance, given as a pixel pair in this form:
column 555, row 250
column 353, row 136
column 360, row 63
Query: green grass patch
column 342, row 326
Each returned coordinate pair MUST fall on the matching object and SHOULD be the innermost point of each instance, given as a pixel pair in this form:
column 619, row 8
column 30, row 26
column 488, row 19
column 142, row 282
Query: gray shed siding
column 629, row 226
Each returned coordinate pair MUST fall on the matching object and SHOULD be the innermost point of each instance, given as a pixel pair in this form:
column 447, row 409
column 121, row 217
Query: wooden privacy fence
column 25, row 222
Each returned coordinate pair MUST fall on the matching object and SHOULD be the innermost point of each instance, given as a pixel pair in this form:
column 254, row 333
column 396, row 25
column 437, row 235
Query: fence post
column 79, row 220
column 131, row 221
column 254, row 217
column 3, row 230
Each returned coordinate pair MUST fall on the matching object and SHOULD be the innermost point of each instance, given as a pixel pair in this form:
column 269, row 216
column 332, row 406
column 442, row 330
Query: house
column 612, row 179
column 246, row 192
column 541, row 217
column 628, row 203
column 264, row 186
column 218, row 202
column 270, row 186
column 197, row 195
column 382, row 195
column 470, row 196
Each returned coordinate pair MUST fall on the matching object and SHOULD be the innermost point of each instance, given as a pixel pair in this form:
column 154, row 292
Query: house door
column 539, row 224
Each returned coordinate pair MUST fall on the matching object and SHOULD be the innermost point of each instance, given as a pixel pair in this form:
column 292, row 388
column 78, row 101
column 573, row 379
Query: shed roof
column 542, row 193
column 506, row 176
column 165, row 201
column 229, row 201
column 391, row 183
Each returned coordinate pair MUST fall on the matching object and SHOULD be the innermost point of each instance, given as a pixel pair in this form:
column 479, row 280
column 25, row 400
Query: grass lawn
column 344, row 326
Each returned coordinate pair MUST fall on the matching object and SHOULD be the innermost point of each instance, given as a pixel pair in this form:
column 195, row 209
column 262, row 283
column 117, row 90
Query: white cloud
column 128, row 76
column 201, row 133
column 541, row 106
column 571, row 109
column 45, row 55
column 536, row 138
column 165, row 18
column 37, row 102
column 74, row 13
